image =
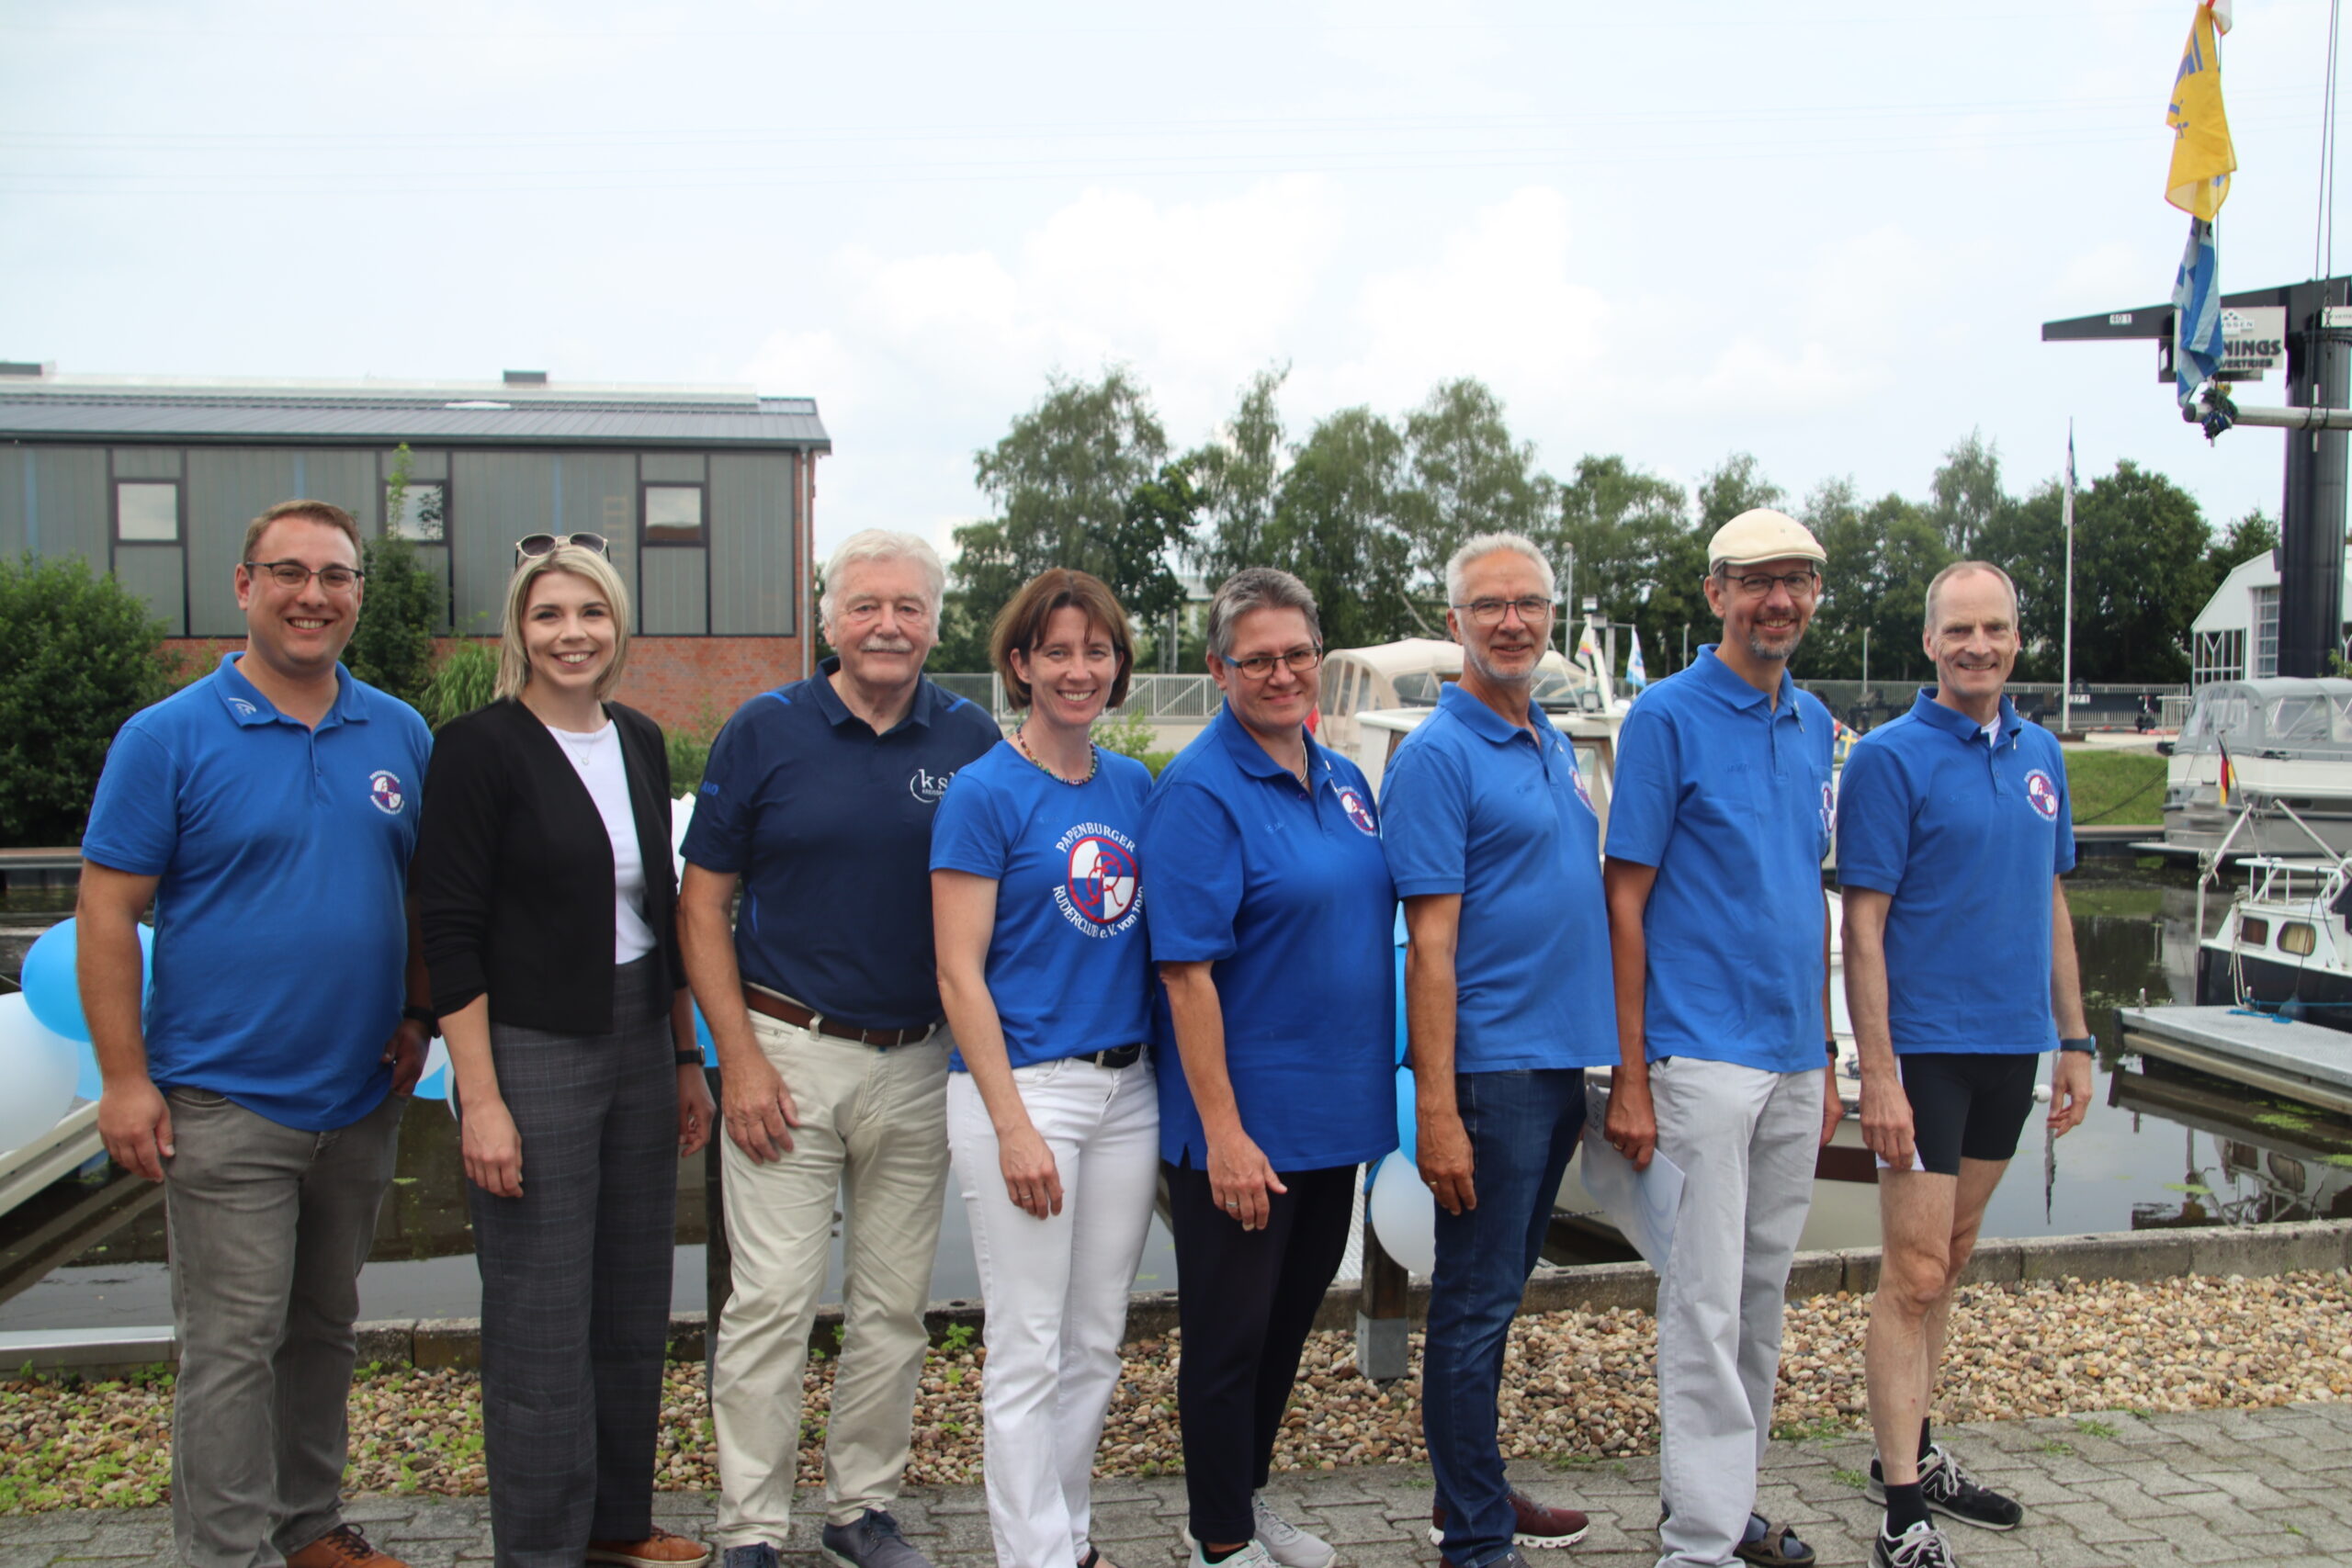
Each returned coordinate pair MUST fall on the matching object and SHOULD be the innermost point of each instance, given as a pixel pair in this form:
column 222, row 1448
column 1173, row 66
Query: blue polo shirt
column 1729, row 796
column 1964, row 834
column 1473, row 805
column 282, row 851
column 828, row 826
column 1067, row 967
column 1284, row 891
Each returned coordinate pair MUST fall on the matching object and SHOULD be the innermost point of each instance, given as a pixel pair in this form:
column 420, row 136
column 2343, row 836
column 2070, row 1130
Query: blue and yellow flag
column 2201, row 154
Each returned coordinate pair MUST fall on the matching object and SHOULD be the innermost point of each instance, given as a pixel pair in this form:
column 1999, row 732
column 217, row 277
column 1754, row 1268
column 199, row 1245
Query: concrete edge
column 439, row 1343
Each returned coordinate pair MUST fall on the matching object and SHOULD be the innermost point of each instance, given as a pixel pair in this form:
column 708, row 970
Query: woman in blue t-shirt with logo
column 1277, row 951
column 1038, row 906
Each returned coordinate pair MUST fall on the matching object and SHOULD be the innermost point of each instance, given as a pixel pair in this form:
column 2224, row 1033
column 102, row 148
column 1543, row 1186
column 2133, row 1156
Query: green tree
column 1629, row 537
column 1064, row 482
column 1968, row 499
column 391, row 648
column 1883, row 555
column 2139, row 546
column 1468, row 476
column 1238, row 476
column 79, row 654
column 1336, row 528
column 1730, row 487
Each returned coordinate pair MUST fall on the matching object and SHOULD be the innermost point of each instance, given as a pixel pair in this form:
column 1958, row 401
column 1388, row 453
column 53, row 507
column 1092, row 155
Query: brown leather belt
column 800, row 1017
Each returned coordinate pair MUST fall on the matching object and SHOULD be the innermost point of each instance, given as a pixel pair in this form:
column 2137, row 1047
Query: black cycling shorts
column 1968, row 1104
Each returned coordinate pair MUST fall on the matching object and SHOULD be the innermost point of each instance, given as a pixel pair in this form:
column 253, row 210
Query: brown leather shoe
column 1534, row 1524
column 342, row 1547
column 660, row 1550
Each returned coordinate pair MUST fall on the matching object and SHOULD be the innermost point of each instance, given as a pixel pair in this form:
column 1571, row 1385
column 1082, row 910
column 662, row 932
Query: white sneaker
column 1277, row 1543
column 1253, row 1555
column 1284, row 1541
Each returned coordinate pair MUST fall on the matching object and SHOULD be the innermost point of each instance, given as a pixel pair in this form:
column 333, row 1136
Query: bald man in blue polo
column 1719, row 933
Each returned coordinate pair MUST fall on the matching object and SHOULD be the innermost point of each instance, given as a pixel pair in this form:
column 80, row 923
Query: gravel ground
column 1580, row 1387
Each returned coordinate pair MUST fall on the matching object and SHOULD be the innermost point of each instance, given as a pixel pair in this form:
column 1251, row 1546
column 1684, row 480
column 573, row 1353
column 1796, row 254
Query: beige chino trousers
column 873, row 1136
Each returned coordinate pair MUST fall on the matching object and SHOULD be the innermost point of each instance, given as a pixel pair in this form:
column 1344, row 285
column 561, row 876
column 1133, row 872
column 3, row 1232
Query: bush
column 391, row 648
column 464, row 679
column 689, row 754
column 78, row 655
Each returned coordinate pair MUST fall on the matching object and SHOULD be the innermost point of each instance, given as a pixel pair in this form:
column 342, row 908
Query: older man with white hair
column 824, row 1005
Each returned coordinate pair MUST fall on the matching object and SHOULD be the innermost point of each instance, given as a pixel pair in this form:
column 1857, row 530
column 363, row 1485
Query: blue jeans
column 1523, row 1127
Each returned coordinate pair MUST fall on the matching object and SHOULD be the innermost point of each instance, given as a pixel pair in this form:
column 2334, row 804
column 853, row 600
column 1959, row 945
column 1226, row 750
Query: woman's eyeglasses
column 532, row 544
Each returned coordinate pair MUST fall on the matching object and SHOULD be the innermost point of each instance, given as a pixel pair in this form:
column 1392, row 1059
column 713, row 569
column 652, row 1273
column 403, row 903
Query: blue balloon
column 703, row 1039
column 1406, row 1139
column 54, row 992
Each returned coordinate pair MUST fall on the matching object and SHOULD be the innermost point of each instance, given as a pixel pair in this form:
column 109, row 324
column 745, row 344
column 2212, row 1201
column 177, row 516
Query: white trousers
column 1056, row 1291
column 1746, row 1140
column 873, row 1136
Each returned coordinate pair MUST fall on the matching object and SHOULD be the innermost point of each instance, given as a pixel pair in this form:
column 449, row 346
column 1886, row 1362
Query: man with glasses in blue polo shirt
column 1954, row 836
column 1719, row 822
column 269, row 811
column 822, row 997
column 1495, row 849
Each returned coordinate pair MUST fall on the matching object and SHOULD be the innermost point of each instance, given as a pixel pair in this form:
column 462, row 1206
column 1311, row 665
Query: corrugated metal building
column 704, row 494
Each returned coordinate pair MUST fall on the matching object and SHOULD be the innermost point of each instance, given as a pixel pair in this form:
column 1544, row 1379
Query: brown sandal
column 1778, row 1547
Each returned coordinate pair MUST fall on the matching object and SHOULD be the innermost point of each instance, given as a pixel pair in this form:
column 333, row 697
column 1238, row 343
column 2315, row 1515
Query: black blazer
column 513, row 869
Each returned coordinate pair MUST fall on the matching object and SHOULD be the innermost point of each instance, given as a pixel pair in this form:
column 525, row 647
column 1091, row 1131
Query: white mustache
column 885, row 645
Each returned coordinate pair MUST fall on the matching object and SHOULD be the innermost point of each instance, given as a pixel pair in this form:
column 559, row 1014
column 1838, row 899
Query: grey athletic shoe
column 759, row 1554
column 1921, row 1546
column 873, row 1541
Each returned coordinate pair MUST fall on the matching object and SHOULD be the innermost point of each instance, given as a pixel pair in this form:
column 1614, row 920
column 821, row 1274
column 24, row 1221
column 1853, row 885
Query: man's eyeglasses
column 293, row 574
column 1534, row 607
column 531, row 545
column 1257, row 666
column 1758, row 583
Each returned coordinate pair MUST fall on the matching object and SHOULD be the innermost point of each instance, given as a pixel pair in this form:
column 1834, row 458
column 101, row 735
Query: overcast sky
column 1826, row 235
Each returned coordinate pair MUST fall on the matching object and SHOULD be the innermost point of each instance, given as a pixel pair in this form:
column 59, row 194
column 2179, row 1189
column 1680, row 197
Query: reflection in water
column 2159, row 1148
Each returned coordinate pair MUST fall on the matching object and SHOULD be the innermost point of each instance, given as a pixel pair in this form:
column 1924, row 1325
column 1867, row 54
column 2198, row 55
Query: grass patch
column 2116, row 786
column 1853, row 1478
column 2090, row 1428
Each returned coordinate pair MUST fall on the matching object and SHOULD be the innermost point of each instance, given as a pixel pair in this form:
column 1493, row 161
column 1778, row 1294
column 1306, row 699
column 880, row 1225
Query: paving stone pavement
column 2116, row 1489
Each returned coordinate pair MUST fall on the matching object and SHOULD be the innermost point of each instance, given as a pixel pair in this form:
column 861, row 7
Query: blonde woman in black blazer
column 544, row 881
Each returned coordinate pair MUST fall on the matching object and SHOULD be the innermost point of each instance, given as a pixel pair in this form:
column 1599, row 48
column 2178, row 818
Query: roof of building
column 78, row 408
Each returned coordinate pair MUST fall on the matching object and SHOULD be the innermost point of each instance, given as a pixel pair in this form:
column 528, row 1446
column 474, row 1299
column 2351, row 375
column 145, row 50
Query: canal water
column 2155, row 1152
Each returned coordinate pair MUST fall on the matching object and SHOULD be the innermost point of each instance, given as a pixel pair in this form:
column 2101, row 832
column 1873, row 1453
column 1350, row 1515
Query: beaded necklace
column 1093, row 762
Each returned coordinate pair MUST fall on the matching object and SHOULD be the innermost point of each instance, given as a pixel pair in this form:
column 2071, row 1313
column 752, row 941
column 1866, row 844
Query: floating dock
column 2285, row 1057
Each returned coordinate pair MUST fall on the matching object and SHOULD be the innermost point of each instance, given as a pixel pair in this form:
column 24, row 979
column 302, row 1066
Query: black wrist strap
column 690, row 1058
column 2085, row 1044
column 422, row 1015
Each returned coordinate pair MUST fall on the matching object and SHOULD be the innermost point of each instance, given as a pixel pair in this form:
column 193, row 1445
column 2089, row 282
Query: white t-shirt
column 597, row 756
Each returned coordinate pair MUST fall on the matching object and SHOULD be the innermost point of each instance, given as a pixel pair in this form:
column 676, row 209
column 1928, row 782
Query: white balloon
column 36, row 1072
column 1402, row 1214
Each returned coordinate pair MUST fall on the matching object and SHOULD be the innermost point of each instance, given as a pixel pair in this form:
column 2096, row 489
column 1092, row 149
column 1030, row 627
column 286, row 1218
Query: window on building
column 2219, row 656
column 420, row 512
column 2265, row 633
column 673, row 515
column 147, row 511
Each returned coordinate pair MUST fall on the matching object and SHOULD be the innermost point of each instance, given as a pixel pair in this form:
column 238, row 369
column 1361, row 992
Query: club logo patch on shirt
column 2041, row 794
column 1576, row 777
column 928, row 786
column 384, row 789
column 243, row 708
column 1358, row 812
column 1102, row 894
column 1829, row 807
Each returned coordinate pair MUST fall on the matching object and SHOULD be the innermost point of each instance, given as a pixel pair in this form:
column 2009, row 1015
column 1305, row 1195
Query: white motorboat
column 2277, row 752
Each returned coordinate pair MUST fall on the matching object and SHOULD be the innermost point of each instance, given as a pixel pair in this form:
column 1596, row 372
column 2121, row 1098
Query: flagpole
column 2066, row 659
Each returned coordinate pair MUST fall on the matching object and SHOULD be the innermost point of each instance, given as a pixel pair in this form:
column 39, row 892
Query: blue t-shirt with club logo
column 281, row 853
column 1964, row 833
column 1067, row 964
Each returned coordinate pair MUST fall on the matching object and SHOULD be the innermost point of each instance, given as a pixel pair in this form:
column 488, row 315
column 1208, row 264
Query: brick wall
column 690, row 683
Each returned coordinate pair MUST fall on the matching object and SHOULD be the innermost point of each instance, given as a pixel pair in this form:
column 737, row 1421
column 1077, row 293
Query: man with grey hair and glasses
column 823, row 1001
column 1492, row 838
column 1723, row 795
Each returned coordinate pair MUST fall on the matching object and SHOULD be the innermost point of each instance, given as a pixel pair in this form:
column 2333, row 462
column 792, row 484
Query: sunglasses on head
column 532, row 544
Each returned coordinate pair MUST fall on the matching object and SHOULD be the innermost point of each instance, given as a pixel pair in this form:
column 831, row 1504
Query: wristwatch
column 2087, row 1044
column 424, row 1015
column 690, row 1058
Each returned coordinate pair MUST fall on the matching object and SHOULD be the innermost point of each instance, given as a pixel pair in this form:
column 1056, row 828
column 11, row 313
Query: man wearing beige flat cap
column 1719, row 945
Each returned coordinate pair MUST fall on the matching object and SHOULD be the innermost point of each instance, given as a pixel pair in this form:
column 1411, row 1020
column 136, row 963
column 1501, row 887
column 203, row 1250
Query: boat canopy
column 2280, row 717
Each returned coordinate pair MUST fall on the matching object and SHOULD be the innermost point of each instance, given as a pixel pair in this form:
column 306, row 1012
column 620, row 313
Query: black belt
column 800, row 1017
column 1117, row 1056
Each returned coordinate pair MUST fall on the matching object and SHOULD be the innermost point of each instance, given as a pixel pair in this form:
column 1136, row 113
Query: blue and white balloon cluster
column 45, row 1055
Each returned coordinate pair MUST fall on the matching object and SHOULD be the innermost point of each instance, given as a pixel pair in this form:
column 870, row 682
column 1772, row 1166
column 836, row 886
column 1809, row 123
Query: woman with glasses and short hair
column 545, row 886
column 1277, row 957
column 1037, row 911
